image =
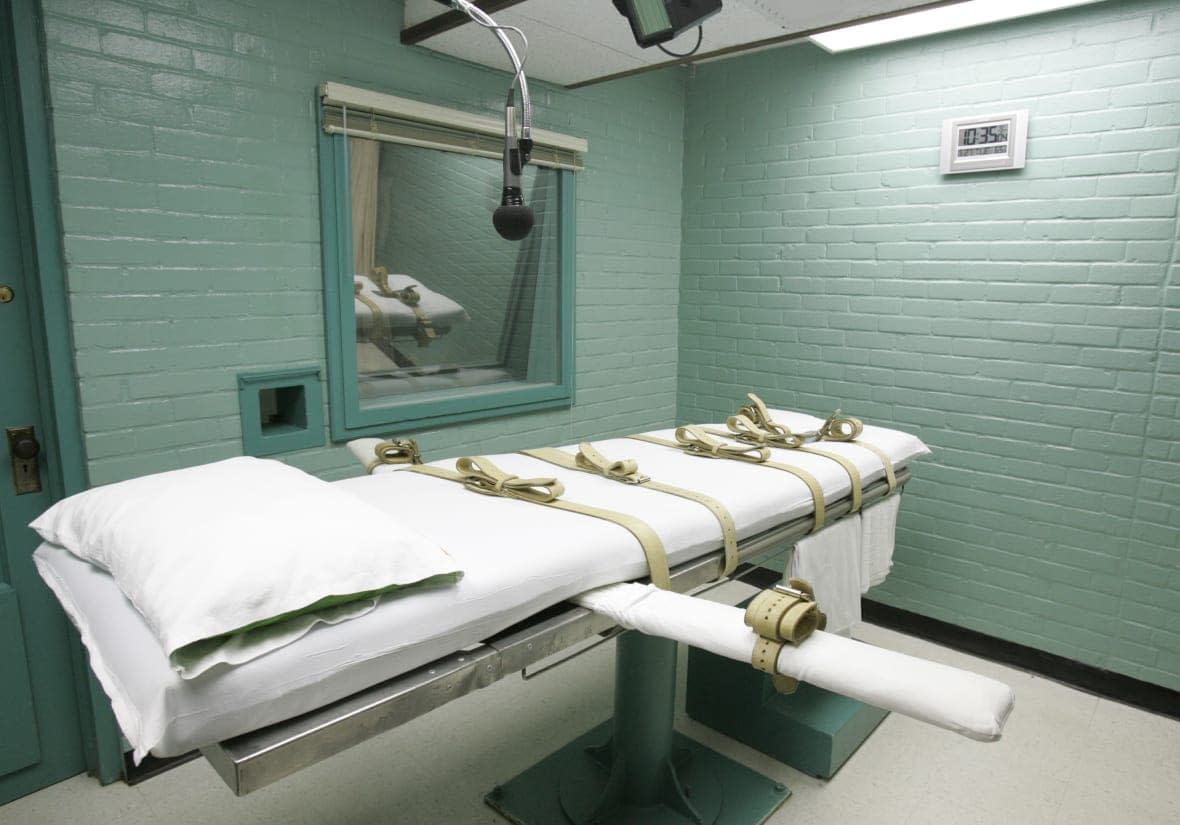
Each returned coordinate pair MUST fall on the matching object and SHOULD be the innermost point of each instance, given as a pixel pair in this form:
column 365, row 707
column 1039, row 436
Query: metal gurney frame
column 253, row 760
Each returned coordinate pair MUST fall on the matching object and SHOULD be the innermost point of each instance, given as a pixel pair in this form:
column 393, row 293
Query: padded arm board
column 948, row 697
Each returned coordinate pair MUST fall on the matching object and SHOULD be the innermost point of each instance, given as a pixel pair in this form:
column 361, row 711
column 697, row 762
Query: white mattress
column 518, row 558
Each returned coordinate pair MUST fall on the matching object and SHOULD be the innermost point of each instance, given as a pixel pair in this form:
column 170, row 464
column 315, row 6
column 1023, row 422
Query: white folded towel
column 878, row 534
column 975, row 706
column 830, row 561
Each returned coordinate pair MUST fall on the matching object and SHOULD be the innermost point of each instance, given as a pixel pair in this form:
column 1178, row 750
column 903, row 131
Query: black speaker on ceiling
column 658, row 21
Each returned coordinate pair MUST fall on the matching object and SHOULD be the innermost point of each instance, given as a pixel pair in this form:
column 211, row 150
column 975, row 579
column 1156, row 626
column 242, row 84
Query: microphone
column 513, row 219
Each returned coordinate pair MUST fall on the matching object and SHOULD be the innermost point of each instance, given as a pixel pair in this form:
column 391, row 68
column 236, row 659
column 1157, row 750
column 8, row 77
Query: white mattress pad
column 518, row 558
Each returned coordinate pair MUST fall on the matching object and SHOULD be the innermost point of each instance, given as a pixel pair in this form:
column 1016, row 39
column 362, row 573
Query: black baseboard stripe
column 1116, row 686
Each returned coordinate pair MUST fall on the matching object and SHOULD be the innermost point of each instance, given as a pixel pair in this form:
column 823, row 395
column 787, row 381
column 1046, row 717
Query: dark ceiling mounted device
column 658, row 21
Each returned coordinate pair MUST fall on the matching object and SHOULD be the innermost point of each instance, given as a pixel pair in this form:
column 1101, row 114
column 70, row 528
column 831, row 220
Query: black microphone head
column 513, row 222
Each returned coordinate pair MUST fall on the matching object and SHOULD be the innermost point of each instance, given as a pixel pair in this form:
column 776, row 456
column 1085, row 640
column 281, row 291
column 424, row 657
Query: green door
column 40, row 733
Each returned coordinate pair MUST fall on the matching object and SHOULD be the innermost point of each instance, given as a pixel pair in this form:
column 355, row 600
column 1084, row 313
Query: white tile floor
column 1066, row 758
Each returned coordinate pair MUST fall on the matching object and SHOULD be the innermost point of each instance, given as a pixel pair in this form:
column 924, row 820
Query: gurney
column 259, row 721
column 391, row 307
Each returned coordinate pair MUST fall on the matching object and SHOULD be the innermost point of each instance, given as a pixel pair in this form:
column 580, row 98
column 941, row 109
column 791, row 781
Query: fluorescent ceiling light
column 932, row 21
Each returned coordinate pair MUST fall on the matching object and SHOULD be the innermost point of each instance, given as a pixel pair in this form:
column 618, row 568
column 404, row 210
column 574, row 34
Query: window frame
column 348, row 419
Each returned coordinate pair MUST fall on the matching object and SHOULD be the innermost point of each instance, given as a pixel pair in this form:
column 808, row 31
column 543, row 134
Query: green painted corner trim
column 54, row 346
column 348, row 418
column 55, row 349
column 301, row 413
column 18, row 721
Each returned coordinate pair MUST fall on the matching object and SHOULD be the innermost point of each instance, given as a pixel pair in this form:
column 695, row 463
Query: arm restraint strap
column 589, row 460
column 784, row 614
column 765, row 658
column 480, row 475
column 695, row 441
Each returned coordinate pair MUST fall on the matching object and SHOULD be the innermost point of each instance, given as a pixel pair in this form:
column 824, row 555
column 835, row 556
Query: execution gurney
column 264, row 719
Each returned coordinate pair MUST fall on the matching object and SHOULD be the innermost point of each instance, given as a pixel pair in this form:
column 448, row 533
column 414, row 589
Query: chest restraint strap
column 848, row 429
column 695, row 441
column 377, row 333
column 746, row 431
column 589, row 460
column 836, row 428
column 396, row 451
column 480, row 475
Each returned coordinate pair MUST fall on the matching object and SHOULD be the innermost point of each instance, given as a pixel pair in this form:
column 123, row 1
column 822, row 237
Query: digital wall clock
column 984, row 143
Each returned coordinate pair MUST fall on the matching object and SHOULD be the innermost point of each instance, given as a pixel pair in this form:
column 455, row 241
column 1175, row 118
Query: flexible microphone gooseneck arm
column 513, row 219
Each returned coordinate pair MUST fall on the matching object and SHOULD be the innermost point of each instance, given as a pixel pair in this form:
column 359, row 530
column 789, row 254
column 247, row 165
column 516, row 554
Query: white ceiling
column 577, row 41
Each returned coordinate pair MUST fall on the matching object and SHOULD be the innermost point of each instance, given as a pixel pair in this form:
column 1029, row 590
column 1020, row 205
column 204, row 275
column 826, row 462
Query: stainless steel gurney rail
column 258, row 758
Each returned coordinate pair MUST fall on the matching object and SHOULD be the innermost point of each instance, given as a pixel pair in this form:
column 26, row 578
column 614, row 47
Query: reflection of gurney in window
column 419, row 649
column 391, row 307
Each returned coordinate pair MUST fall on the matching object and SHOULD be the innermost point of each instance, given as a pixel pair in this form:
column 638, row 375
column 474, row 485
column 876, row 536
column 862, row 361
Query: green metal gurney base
column 635, row 769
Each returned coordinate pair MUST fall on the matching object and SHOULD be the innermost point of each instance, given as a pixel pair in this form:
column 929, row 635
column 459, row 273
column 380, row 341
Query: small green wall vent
column 281, row 411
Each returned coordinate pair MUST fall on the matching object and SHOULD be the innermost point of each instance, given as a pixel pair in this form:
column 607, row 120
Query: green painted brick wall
column 185, row 143
column 1025, row 324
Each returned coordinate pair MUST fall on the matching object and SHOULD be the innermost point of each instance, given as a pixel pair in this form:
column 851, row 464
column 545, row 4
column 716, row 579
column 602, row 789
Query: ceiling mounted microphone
column 512, row 219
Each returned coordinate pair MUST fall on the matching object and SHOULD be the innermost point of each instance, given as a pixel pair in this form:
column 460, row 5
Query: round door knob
column 6, row 294
column 26, row 448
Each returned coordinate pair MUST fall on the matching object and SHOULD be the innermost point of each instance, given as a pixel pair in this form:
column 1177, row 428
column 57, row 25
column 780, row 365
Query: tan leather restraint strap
column 395, row 451
column 784, row 614
column 743, row 429
column 836, row 428
column 480, row 475
column 765, row 658
column 765, row 655
column 378, row 330
column 589, row 460
column 695, row 441
column 849, row 467
column 847, row 428
column 409, row 296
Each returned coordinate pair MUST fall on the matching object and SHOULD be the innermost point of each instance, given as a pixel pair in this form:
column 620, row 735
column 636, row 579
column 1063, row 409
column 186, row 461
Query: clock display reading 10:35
column 980, row 135
column 984, row 143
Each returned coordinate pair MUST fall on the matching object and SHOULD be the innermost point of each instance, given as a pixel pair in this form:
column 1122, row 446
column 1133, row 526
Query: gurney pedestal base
column 635, row 770
column 812, row 730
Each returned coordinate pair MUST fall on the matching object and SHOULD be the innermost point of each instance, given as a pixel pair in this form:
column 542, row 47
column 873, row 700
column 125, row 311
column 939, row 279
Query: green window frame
column 349, row 416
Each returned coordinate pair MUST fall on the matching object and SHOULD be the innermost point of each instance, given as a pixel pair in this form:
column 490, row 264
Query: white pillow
column 229, row 560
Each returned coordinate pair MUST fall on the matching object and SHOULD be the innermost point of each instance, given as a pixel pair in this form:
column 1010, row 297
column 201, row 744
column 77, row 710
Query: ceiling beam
column 450, row 20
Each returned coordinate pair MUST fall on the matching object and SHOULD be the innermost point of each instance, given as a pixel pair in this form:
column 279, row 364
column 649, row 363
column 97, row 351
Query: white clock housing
column 984, row 143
